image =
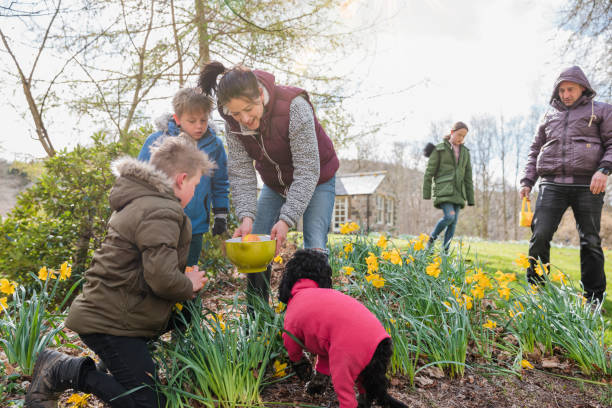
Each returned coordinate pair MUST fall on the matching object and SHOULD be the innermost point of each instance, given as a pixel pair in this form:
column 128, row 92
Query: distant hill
column 12, row 182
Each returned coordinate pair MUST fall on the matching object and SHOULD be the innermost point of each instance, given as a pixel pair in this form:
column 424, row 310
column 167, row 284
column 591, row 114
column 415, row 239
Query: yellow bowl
column 252, row 256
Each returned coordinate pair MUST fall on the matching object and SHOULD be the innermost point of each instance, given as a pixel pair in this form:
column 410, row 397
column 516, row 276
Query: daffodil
column 7, row 287
column 559, row 277
column 348, row 247
column 477, row 292
column 279, row 369
column 382, row 242
column 395, row 257
column 418, row 246
column 504, row 292
column 378, row 281
column 526, row 365
column 490, row 324
column 433, row 270
column 44, row 274
column 348, row 270
column 468, row 302
column 279, row 308
column 218, row 318
column 3, row 304
column 372, row 262
column 78, row 401
column 65, row 271
column 178, row 306
column 541, row 269
column 278, row 259
column 522, row 261
column 447, row 304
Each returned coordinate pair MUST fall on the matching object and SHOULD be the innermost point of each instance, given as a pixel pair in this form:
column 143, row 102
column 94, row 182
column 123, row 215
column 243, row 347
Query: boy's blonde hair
column 179, row 154
column 189, row 100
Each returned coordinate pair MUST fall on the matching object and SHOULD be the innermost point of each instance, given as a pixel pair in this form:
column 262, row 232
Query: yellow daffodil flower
column 279, row 369
column 44, row 274
column 382, row 242
column 522, row 261
column 372, row 262
column 468, row 302
column 78, row 401
column 279, row 308
column 477, row 292
column 7, row 287
column 504, row 293
column 433, row 270
column 395, row 257
column 178, row 306
column 3, row 303
column 526, row 365
column 65, row 271
column 278, row 259
column 490, row 324
column 418, row 246
column 348, row 270
column 559, row 277
column 348, row 247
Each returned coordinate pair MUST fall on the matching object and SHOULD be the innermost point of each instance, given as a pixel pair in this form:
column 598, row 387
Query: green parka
column 136, row 276
column 452, row 180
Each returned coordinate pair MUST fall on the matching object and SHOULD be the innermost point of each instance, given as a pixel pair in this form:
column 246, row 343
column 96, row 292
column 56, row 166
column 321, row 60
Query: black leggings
column 130, row 363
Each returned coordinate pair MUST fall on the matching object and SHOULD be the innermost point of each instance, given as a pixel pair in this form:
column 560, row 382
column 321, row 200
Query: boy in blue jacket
column 191, row 113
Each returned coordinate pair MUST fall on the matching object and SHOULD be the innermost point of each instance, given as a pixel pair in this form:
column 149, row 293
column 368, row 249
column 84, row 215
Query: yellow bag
column 526, row 214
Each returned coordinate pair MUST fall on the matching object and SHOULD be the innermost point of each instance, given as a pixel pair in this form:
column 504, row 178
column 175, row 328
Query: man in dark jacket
column 572, row 155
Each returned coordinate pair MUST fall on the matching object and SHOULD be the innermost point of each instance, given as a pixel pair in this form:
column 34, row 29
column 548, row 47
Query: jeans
column 195, row 250
column 130, row 363
column 552, row 202
column 448, row 221
column 317, row 219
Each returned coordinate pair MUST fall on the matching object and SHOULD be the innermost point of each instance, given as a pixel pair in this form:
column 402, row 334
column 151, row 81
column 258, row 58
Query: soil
column 549, row 385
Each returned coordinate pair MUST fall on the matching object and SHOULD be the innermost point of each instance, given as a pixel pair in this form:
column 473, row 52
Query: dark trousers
column 195, row 249
column 552, row 202
column 258, row 288
column 130, row 364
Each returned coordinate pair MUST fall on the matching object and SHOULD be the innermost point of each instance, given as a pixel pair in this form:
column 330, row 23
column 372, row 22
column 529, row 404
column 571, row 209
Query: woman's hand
column 279, row 232
column 197, row 278
column 245, row 227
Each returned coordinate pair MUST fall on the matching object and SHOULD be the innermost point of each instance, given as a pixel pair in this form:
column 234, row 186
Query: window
column 380, row 209
column 340, row 212
column 389, row 210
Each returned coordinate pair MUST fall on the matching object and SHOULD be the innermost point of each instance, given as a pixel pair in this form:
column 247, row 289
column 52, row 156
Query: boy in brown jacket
column 135, row 278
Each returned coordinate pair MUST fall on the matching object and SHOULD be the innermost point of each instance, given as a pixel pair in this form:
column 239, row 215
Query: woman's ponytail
column 208, row 77
column 237, row 82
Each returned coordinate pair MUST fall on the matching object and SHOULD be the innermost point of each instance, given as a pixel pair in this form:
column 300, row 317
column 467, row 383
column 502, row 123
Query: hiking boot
column 54, row 373
column 318, row 384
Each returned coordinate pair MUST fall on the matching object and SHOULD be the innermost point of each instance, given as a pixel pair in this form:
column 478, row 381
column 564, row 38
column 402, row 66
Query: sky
column 426, row 61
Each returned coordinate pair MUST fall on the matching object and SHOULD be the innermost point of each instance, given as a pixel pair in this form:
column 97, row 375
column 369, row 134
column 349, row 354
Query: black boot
column 54, row 373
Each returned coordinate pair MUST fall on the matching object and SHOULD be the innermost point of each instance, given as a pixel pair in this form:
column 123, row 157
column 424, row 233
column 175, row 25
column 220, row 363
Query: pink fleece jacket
column 342, row 332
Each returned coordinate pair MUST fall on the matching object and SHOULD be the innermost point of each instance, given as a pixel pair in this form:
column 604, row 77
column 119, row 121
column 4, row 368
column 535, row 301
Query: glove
column 220, row 226
column 303, row 369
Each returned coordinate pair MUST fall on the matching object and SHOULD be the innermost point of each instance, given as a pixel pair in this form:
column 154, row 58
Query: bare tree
column 483, row 130
column 591, row 39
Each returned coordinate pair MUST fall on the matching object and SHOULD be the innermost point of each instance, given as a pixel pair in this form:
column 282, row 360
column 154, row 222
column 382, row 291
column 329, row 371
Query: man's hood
column 572, row 74
column 137, row 179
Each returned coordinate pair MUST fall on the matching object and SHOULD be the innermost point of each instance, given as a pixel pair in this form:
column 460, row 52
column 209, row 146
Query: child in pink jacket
column 351, row 344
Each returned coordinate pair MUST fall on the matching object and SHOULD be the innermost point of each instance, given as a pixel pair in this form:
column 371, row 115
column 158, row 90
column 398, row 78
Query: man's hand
column 524, row 193
column 245, row 227
column 198, row 279
column 598, row 182
column 220, row 226
column 279, row 232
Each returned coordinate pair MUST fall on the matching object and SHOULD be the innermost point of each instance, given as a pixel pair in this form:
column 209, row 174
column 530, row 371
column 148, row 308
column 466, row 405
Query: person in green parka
column 450, row 169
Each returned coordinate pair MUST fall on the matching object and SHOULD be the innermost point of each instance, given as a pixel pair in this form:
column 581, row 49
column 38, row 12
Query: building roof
column 359, row 183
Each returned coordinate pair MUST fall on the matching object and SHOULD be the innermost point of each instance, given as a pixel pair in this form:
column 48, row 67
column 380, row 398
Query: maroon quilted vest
column 270, row 149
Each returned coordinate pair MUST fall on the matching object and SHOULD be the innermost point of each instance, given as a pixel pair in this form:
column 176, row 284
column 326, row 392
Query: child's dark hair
column 305, row 264
column 237, row 82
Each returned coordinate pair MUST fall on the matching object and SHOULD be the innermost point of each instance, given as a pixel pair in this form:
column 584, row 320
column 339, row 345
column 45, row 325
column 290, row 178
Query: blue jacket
column 212, row 190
